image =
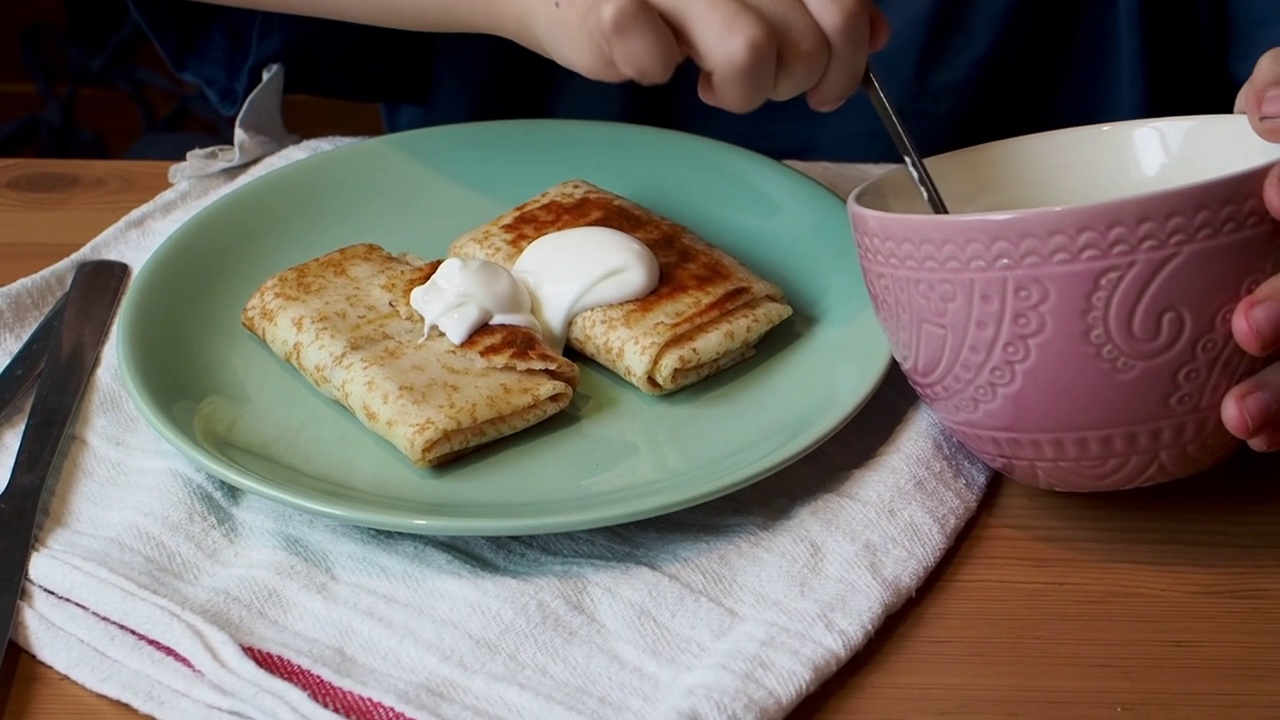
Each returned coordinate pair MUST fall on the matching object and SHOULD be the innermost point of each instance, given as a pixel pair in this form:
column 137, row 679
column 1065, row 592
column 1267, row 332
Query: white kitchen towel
column 158, row 585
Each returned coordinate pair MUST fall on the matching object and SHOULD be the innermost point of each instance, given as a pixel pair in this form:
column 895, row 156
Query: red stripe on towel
column 155, row 644
column 350, row 705
column 339, row 700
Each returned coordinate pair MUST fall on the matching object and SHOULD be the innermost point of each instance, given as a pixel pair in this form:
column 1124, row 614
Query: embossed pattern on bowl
column 1076, row 347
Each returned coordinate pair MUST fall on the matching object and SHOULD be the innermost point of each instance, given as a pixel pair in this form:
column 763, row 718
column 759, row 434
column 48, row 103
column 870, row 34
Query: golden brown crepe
column 343, row 320
column 707, row 313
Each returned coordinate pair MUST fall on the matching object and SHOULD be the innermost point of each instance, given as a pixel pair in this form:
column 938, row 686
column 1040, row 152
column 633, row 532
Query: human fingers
column 847, row 26
column 1251, row 410
column 1255, row 323
column 1271, row 192
column 640, row 43
column 733, row 44
column 804, row 45
column 1259, row 97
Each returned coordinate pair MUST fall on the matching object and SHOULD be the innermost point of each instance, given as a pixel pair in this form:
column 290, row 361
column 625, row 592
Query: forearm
column 492, row 17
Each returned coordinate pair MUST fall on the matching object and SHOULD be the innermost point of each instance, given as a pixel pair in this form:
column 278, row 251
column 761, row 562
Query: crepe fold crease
column 707, row 313
column 343, row 321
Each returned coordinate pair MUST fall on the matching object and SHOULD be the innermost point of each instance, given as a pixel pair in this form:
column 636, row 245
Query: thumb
column 1260, row 97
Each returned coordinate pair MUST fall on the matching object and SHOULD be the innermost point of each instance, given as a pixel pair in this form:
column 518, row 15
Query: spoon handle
column 915, row 166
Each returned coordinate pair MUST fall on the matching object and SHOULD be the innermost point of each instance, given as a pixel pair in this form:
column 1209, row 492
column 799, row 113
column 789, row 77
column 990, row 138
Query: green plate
column 225, row 401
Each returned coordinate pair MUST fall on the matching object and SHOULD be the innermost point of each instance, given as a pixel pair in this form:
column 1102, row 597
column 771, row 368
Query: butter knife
column 21, row 372
column 73, row 347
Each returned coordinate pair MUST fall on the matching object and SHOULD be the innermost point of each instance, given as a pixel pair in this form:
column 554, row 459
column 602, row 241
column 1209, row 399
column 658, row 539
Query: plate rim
column 443, row 525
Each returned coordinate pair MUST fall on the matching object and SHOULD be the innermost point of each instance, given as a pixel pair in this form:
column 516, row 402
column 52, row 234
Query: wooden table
column 1162, row 602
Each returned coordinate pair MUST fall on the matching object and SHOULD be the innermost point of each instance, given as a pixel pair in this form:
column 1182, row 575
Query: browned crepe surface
column 707, row 313
column 342, row 320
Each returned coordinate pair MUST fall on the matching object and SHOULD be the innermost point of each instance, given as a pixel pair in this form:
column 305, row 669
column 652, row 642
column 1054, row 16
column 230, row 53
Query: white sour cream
column 464, row 294
column 558, row 276
column 572, row 271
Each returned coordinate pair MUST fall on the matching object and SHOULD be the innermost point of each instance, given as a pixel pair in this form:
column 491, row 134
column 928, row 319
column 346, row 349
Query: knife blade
column 73, row 352
column 21, row 372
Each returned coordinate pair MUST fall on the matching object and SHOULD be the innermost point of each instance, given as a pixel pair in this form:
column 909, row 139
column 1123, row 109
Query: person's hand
column 1251, row 410
column 749, row 51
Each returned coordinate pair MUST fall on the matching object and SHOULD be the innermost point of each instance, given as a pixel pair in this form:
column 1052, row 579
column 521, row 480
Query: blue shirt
column 961, row 72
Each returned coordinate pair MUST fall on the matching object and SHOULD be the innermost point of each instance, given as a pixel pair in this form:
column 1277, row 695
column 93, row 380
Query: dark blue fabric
column 962, row 71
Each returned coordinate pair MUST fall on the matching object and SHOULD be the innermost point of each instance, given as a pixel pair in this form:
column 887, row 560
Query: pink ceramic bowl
column 1070, row 320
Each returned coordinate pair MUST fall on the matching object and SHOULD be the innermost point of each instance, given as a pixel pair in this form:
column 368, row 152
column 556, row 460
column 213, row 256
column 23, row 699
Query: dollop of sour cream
column 571, row 271
column 558, row 276
column 464, row 294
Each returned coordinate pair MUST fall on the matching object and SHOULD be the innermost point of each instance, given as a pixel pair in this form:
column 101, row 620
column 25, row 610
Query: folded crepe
column 707, row 313
column 344, row 321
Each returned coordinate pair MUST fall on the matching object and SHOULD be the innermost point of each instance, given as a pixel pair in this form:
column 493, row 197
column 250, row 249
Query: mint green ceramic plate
column 221, row 398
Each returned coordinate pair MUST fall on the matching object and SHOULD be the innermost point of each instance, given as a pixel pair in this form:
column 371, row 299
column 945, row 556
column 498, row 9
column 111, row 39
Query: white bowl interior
column 1079, row 166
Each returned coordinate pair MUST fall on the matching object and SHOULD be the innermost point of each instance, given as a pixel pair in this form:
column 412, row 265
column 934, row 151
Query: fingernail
column 1265, row 443
column 1260, row 409
column 1270, row 109
column 830, row 107
column 1264, row 318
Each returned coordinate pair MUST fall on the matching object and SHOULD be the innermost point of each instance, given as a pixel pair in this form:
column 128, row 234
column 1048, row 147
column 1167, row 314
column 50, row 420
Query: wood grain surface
column 1157, row 603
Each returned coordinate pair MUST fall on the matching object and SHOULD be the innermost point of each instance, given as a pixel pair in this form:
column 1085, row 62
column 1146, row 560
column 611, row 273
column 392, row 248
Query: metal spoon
column 915, row 166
